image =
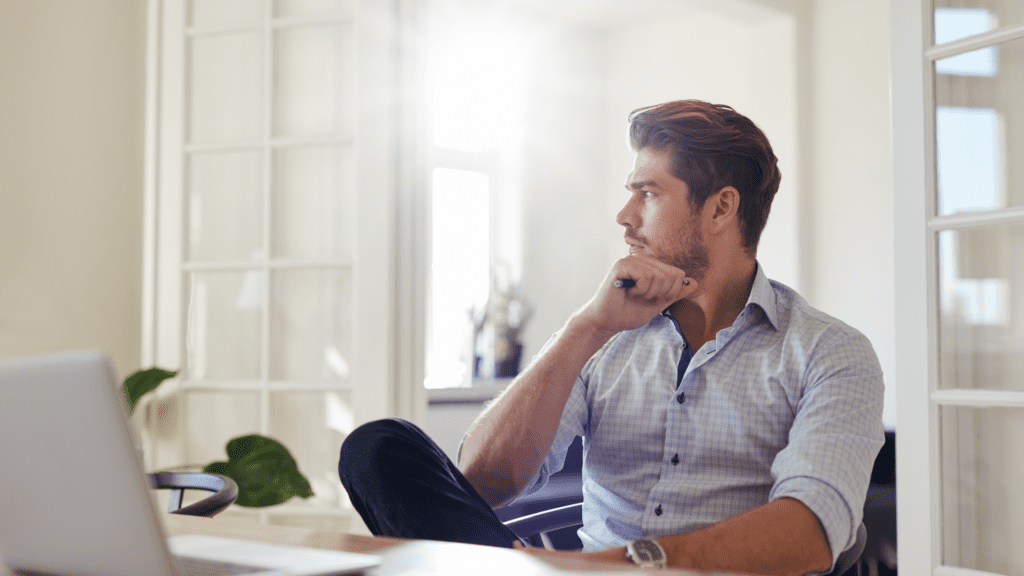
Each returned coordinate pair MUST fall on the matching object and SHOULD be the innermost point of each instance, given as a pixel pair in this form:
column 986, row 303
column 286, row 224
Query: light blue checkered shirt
column 785, row 402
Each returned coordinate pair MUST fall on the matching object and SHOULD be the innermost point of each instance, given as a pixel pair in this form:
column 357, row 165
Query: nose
column 629, row 215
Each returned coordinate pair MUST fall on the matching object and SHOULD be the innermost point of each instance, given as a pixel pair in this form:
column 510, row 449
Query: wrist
column 583, row 327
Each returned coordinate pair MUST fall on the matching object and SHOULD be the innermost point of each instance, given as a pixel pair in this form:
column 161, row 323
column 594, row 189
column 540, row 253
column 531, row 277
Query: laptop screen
column 73, row 495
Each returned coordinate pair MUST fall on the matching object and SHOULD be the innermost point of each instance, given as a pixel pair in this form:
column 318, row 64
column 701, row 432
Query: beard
column 689, row 253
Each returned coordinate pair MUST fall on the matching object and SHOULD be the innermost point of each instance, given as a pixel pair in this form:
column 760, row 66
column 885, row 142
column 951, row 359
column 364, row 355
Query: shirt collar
column 762, row 295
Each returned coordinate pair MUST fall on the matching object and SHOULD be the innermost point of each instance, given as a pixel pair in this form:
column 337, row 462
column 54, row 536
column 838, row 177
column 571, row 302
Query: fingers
column 653, row 280
column 655, row 287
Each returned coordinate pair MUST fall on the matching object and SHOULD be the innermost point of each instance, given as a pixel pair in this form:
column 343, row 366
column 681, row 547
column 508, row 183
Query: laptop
column 74, row 498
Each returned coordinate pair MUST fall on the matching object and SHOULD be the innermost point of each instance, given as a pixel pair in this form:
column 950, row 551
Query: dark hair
column 713, row 146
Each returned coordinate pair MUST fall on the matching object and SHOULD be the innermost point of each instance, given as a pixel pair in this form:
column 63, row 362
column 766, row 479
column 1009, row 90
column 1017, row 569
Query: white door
column 271, row 183
column 958, row 126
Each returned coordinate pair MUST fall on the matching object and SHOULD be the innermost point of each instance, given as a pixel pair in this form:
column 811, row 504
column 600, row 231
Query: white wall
column 851, row 201
column 563, row 184
column 71, row 129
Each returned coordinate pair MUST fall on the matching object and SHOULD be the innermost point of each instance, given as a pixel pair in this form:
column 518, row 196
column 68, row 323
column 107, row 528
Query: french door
column 269, row 241
column 958, row 126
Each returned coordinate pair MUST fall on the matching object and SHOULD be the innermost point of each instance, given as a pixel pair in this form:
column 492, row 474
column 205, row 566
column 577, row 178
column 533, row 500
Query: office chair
column 540, row 525
column 536, row 528
column 880, row 512
column 224, row 489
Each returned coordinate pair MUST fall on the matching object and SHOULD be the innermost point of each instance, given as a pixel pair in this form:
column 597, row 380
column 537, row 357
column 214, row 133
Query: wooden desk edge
column 389, row 548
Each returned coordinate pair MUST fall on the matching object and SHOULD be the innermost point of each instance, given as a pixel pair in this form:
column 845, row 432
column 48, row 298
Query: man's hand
column 657, row 286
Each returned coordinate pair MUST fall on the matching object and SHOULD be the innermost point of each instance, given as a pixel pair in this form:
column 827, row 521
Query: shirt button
column 681, row 398
column 657, row 511
column 675, row 460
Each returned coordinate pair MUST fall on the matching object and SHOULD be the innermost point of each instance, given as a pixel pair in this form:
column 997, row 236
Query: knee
column 373, row 445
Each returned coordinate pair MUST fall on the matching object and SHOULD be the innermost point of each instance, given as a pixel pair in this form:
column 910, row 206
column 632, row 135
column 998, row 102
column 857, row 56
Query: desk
column 404, row 557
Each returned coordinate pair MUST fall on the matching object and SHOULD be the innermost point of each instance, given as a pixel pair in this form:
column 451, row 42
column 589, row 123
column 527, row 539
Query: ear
column 723, row 209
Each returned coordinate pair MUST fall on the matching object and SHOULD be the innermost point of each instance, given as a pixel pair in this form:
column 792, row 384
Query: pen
column 629, row 283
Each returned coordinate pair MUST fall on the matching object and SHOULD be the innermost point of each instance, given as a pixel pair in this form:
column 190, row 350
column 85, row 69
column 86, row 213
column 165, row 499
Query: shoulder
column 795, row 313
column 816, row 334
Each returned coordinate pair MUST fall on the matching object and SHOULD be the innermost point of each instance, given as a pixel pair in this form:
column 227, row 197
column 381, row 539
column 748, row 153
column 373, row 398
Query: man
column 727, row 424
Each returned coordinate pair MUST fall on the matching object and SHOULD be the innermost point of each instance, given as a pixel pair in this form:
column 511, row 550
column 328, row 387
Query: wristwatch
column 646, row 554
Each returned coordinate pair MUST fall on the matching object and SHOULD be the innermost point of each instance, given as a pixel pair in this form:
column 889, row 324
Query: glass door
column 271, row 258
column 963, row 215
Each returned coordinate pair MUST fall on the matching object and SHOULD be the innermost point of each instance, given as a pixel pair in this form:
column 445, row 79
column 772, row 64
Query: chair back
column 541, row 524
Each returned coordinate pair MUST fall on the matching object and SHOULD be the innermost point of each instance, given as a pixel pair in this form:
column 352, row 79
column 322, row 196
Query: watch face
column 646, row 554
column 647, row 551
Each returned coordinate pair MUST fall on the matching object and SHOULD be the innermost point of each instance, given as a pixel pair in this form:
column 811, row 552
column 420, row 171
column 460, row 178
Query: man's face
column 658, row 217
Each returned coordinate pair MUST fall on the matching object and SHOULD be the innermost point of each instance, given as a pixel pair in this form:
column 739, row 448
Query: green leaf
column 141, row 382
column 264, row 470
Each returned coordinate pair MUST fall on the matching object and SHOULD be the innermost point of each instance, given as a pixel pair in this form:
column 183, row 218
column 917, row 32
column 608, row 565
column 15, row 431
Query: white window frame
column 384, row 311
column 918, row 397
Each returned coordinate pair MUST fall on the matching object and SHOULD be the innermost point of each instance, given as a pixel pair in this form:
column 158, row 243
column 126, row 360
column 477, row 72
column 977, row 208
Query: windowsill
column 482, row 390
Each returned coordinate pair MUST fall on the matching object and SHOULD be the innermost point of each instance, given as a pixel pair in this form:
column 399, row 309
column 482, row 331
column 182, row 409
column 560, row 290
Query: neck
column 721, row 297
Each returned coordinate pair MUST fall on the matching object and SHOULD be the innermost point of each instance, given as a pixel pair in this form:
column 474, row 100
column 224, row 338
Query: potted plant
column 504, row 317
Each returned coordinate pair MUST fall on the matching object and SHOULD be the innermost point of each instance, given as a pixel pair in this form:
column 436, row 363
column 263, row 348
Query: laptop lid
column 73, row 498
column 73, row 495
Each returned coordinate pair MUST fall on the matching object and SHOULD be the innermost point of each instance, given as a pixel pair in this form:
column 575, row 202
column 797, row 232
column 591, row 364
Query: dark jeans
column 404, row 485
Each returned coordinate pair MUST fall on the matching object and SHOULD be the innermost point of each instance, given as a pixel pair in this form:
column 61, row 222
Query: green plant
column 265, row 471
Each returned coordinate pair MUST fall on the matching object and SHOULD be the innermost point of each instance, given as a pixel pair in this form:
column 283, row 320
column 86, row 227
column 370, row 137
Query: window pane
column 955, row 19
column 220, row 12
column 981, row 316
column 460, row 273
column 311, row 323
column 313, row 88
column 312, row 425
column 979, row 129
column 982, row 504
column 214, row 418
column 224, row 216
column 313, row 203
column 226, row 87
column 223, row 325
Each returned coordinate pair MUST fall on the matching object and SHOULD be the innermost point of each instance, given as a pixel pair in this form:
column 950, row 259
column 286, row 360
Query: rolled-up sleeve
column 835, row 436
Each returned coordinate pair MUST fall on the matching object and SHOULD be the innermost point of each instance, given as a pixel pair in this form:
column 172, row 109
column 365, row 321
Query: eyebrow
column 642, row 184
